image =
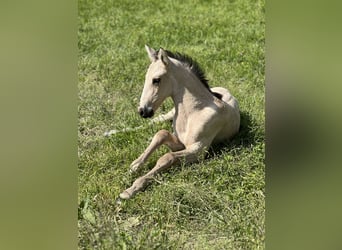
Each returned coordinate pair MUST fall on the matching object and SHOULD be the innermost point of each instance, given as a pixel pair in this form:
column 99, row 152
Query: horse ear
column 152, row 54
column 163, row 56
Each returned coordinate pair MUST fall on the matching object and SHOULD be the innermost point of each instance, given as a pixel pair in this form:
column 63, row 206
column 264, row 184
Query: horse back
column 230, row 115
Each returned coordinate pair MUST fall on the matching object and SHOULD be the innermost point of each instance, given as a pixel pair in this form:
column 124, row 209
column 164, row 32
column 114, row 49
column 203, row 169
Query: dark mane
column 191, row 64
column 194, row 67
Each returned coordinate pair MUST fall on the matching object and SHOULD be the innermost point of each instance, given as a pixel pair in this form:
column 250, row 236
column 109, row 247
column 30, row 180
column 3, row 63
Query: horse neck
column 188, row 92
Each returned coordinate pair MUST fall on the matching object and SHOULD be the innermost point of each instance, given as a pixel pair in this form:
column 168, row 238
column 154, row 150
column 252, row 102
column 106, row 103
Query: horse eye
column 156, row 81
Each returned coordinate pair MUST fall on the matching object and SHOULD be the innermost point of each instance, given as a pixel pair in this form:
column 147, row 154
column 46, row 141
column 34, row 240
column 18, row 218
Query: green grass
column 218, row 203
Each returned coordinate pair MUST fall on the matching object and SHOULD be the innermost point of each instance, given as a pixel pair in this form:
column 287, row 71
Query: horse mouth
column 146, row 112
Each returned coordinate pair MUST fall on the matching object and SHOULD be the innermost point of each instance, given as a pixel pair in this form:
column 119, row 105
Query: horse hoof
column 118, row 201
column 134, row 166
column 125, row 195
column 109, row 133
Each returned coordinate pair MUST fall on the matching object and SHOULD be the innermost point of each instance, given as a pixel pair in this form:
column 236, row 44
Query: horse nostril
column 149, row 112
column 141, row 111
column 145, row 112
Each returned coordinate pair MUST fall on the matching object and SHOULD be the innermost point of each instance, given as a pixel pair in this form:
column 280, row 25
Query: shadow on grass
column 248, row 136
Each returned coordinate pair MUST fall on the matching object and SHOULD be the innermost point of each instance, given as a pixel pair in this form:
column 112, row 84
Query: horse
column 201, row 115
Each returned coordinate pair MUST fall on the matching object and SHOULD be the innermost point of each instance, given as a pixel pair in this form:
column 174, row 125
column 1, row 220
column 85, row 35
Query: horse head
column 157, row 85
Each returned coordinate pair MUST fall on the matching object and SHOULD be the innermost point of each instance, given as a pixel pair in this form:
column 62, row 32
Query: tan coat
column 199, row 117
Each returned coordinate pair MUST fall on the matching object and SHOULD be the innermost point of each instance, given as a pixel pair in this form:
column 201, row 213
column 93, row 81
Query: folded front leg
column 167, row 117
column 161, row 137
column 189, row 155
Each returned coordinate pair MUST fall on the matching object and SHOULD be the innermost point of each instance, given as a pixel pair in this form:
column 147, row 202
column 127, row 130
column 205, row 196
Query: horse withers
column 201, row 115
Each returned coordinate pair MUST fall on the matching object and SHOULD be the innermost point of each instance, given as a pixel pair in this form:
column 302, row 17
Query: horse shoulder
column 200, row 125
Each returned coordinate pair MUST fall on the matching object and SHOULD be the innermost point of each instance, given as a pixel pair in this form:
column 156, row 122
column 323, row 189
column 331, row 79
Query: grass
column 218, row 203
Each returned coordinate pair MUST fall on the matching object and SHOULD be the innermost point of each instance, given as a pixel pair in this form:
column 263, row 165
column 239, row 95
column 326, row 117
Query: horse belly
column 230, row 124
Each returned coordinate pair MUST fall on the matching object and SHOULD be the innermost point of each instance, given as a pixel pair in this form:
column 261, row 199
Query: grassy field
column 218, row 203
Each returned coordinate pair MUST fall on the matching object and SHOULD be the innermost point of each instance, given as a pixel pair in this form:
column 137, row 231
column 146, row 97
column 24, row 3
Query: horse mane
column 191, row 64
column 194, row 67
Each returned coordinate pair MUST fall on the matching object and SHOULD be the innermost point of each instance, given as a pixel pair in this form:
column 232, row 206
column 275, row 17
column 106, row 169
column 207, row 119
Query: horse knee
column 166, row 160
column 140, row 183
column 163, row 164
column 162, row 135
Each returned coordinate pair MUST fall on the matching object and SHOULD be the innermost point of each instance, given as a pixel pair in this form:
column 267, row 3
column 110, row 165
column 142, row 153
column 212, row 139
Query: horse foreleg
column 161, row 137
column 189, row 155
column 161, row 118
column 167, row 117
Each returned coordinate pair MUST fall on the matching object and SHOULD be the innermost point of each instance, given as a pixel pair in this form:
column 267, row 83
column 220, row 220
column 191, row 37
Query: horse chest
column 179, row 128
column 186, row 128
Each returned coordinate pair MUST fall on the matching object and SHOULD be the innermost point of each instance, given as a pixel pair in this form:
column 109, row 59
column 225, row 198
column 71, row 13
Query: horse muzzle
column 145, row 112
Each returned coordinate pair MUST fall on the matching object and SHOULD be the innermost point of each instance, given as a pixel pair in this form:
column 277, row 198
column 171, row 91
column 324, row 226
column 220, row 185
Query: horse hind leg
column 161, row 137
column 139, row 184
column 189, row 155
